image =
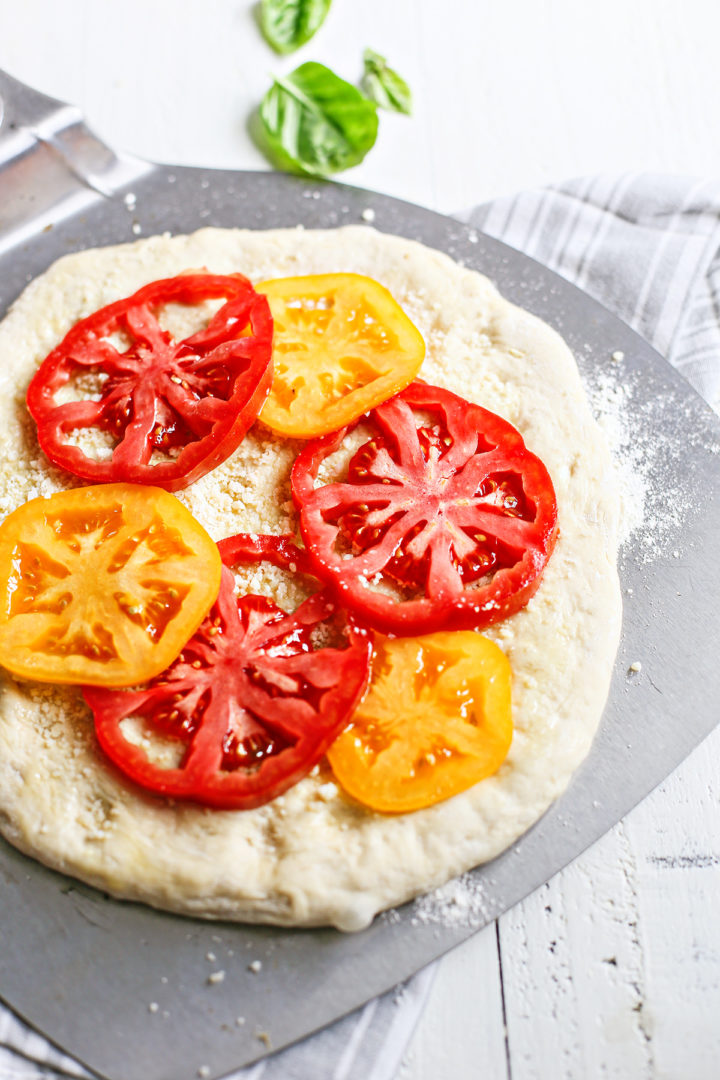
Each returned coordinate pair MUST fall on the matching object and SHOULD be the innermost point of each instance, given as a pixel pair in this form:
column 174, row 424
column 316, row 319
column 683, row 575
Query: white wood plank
column 675, row 840
column 573, row 972
column 463, row 1020
column 613, row 968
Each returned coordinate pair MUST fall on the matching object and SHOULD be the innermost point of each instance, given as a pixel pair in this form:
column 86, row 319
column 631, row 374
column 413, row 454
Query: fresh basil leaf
column 288, row 24
column 385, row 86
column 315, row 123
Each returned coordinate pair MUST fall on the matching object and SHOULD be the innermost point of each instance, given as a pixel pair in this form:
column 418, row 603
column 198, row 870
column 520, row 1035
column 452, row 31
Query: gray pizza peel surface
column 83, row 968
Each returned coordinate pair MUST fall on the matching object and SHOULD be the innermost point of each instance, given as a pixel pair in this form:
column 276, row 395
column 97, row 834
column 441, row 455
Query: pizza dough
column 313, row 857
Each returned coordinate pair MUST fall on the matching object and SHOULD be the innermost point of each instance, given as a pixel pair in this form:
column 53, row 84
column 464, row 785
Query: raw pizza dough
column 312, row 856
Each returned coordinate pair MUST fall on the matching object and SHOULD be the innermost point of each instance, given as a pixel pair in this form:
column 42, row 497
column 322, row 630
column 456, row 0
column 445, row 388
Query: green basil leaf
column 385, row 86
column 288, row 24
column 315, row 123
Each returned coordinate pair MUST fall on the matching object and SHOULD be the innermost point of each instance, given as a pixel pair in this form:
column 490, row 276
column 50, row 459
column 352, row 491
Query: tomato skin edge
column 340, row 412
column 181, row 784
column 177, row 515
column 393, row 792
column 273, row 778
column 508, row 592
column 42, row 388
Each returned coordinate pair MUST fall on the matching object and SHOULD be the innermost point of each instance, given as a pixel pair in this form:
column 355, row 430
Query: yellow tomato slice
column 102, row 585
column 341, row 346
column 436, row 719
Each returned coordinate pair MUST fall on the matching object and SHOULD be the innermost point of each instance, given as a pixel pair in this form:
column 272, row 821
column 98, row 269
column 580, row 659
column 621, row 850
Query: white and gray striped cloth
column 648, row 248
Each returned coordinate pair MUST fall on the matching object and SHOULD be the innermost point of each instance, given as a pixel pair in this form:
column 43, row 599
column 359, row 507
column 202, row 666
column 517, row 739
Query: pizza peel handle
column 52, row 163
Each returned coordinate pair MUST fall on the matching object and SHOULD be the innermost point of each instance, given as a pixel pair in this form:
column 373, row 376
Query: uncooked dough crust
column 312, row 856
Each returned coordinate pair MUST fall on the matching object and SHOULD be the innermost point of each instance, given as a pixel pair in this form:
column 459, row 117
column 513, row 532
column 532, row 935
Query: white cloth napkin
column 648, row 248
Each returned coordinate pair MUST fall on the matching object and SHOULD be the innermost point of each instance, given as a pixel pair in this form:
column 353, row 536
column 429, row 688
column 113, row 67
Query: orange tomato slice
column 102, row 585
column 341, row 346
column 436, row 719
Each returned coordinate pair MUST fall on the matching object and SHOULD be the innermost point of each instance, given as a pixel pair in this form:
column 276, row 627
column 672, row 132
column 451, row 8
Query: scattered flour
column 657, row 487
column 459, row 903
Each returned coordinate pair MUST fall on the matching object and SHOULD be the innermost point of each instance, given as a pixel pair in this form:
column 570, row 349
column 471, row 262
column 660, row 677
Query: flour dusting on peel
column 459, row 903
column 609, row 401
column 656, row 495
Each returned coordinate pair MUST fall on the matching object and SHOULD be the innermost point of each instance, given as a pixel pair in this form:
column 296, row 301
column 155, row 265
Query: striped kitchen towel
column 648, row 248
column 645, row 246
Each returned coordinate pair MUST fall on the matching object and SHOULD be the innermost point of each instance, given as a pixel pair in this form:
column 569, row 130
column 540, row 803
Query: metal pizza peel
column 124, row 988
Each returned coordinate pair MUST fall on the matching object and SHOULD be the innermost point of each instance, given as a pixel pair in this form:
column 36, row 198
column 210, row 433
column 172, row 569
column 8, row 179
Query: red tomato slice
column 172, row 410
column 252, row 702
column 443, row 521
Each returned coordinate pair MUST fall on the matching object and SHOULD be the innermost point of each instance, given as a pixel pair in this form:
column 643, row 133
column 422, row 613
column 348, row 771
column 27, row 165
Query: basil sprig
column 385, row 86
column 288, row 24
column 315, row 123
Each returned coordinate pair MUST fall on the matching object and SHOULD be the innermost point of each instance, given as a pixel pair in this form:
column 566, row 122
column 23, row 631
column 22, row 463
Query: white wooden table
column 612, row 969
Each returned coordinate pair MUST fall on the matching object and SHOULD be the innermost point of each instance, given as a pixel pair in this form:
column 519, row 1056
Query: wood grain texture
column 613, row 968
column 463, row 1026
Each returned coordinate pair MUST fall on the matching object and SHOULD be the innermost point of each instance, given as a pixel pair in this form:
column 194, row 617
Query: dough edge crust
column 312, row 857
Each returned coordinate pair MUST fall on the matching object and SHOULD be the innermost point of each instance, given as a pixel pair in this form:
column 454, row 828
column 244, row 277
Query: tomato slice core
column 158, row 411
column 443, row 502
column 342, row 345
column 435, row 721
column 102, row 585
column 253, row 701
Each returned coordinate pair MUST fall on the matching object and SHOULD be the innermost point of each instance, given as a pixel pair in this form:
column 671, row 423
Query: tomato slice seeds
column 253, row 701
column 444, row 502
column 170, row 410
column 102, row 585
column 342, row 345
column 436, row 719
